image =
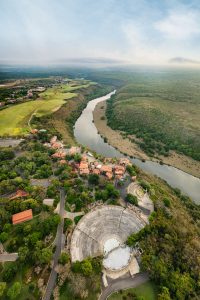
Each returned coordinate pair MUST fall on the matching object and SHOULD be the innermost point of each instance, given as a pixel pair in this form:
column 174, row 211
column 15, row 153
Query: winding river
column 86, row 134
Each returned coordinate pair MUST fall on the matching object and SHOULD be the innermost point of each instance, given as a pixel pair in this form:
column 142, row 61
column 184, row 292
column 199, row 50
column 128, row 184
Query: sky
column 124, row 31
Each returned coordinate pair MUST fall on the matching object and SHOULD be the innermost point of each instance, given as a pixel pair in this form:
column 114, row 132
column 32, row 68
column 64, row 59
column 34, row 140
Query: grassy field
column 163, row 111
column 64, row 119
column 14, row 120
column 147, row 290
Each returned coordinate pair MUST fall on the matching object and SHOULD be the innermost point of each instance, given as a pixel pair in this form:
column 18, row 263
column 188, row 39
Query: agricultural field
column 161, row 111
column 15, row 120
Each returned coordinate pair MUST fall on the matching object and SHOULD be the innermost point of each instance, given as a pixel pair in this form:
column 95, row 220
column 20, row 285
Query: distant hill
column 183, row 60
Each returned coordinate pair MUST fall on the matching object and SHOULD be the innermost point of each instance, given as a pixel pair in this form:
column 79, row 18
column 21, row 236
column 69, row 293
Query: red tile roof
column 96, row 171
column 19, row 194
column 83, row 165
column 106, row 169
column 59, row 155
column 109, row 175
column 22, row 216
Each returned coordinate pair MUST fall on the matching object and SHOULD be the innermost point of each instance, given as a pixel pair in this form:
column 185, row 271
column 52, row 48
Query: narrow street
column 59, row 247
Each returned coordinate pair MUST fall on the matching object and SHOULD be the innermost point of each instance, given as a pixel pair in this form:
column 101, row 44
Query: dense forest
column 161, row 111
column 170, row 243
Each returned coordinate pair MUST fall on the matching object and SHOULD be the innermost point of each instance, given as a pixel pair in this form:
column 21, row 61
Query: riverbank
column 124, row 145
column 63, row 119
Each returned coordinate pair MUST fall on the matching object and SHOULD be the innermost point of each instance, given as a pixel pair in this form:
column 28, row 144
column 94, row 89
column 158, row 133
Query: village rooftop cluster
column 88, row 164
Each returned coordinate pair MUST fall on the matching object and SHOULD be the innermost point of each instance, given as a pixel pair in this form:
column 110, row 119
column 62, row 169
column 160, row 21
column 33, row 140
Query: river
column 86, row 134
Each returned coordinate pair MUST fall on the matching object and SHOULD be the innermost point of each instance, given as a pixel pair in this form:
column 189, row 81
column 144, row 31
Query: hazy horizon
column 108, row 32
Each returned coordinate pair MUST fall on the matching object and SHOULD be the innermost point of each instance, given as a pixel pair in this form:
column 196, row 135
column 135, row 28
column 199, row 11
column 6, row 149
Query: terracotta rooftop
column 53, row 139
column 124, row 161
column 83, row 165
column 57, row 145
column 59, row 155
column 22, row 216
column 106, row 169
column 96, row 171
column 84, row 171
column 63, row 162
column 73, row 150
column 120, row 168
column 19, row 194
column 34, row 131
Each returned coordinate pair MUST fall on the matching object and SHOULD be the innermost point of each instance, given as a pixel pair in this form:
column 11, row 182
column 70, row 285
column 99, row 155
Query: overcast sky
column 137, row 31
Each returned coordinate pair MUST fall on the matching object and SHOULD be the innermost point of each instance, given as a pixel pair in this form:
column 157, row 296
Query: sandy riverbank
column 124, row 145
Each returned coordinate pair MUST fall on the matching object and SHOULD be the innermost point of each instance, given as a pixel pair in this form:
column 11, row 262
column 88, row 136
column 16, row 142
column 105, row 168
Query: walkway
column 123, row 283
column 8, row 257
column 68, row 214
column 60, row 238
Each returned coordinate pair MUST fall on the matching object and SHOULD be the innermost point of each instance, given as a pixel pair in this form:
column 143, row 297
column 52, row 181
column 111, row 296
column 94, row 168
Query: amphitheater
column 104, row 223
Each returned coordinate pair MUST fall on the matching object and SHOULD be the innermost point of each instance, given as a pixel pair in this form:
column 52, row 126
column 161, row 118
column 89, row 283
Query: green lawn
column 147, row 290
column 14, row 120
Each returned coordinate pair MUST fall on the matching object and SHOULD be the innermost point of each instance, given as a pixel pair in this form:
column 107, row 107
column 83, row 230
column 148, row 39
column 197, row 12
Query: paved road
column 59, row 246
column 124, row 283
column 8, row 257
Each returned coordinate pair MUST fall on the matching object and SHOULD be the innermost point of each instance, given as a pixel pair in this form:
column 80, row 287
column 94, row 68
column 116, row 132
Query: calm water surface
column 86, row 134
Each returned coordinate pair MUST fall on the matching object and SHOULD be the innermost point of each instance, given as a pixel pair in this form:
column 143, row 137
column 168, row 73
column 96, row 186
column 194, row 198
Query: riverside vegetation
column 162, row 111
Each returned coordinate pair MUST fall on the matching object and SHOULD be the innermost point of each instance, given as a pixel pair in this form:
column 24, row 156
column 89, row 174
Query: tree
column 3, row 286
column 76, row 267
column 64, row 258
column 145, row 185
column 181, row 284
column 93, row 179
column 14, row 290
column 45, row 255
column 112, row 191
column 9, row 272
column 3, row 237
column 23, row 253
column 77, row 157
column 6, row 154
column 67, row 223
column 164, row 295
column 131, row 170
column 167, row 202
column 132, row 199
column 7, row 227
column 86, row 267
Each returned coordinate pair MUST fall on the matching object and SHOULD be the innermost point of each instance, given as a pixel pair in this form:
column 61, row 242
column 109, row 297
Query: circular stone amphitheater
column 102, row 230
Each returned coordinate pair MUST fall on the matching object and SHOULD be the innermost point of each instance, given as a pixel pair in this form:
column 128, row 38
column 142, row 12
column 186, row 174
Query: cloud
column 136, row 31
column 180, row 25
column 141, row 46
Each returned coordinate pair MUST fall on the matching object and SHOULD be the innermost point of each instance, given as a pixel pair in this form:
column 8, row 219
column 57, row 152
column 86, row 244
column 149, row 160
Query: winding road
column 123, row 283
column 60, row 241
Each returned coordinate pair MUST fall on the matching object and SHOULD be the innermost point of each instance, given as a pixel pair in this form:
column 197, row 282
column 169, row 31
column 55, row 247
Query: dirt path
column 124, row 145
column 29, row 121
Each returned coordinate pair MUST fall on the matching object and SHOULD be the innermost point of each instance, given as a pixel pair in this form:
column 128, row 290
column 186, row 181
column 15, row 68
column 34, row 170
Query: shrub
column 64, row 258
column 132, row 199
column 77, row 219
column 3, row 237
column 167, row 202
column 9, row 272
column 93, row 179
column 14, row 290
